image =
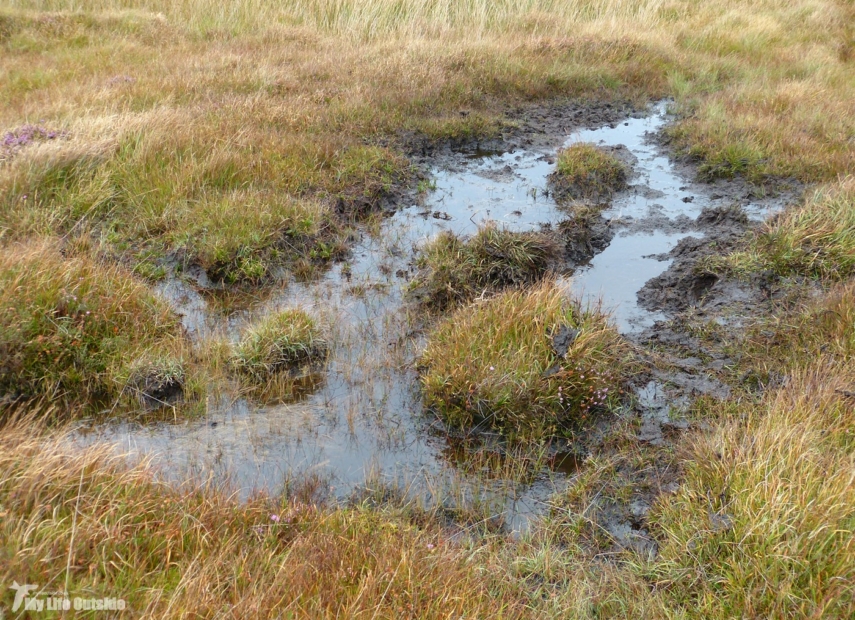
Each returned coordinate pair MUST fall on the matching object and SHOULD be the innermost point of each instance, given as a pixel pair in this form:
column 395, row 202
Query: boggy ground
column 745, row 512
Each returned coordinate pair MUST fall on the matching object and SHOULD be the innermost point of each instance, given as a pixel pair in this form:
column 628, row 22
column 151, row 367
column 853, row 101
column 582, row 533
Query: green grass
column 72, row 328
column 237, row 207
column 586, row 172
column 157, row 379
column 241, row 237
column 492, row 363
column 814, row 239
column 280, row 341
column 454, row 270
column 762, row 526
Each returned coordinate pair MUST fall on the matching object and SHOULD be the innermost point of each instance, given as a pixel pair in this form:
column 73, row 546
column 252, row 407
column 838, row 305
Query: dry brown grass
column 82, row 519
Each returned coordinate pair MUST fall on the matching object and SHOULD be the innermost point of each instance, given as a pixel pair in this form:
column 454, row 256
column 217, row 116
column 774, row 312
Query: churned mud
column 360, row 423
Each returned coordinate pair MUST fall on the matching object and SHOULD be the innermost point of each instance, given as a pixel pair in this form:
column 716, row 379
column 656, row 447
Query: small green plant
column 280, row 341
column 529, row 362
column 456, row 270
column 730, row 161
column 586, row 172
column 426, row 185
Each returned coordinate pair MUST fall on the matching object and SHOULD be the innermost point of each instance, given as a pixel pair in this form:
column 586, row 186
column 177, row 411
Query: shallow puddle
column 363, row 424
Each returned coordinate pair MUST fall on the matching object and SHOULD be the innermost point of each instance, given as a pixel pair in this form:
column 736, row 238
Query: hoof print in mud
column 686, row 283
column 562, row 338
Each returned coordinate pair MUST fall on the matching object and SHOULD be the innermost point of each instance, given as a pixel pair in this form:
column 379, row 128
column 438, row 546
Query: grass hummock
column 497, row 362
column 158, row 379
column 278, row 342
column 588, row 173
column 767, row 508
column 816, row 238
column 456, row 270
column 813, row 239
column 71, row 328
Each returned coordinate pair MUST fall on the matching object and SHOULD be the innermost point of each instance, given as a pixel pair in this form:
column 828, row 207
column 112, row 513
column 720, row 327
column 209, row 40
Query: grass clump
column 70, row 329
column 157, row 379
column 280, row 341
column 165, row 188
column 816, row 238
column 528, row 362
column 586, row 172
column 766, row 511
column 813, row 239
column 239, row 238
column 456, row 270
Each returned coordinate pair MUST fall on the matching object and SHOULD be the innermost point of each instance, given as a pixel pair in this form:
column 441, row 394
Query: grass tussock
column 280, row 341
column 497, row 363
column 72, row 329
column 810, row 329
column 157, row 379
column 765, row 514
column 586, row 172
column 455, row 270
column 814, row 239
column 167, row 187
column 84, row 521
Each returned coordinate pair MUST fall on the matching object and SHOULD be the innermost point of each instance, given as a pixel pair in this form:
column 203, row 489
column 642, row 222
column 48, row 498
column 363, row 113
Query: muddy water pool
column 362, row 424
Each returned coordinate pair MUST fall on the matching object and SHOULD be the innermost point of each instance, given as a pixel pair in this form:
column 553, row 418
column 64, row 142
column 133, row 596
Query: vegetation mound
column 527, row 362
column 456, row 270
column 586, row 172
column 281, row 341
column 71, row 328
